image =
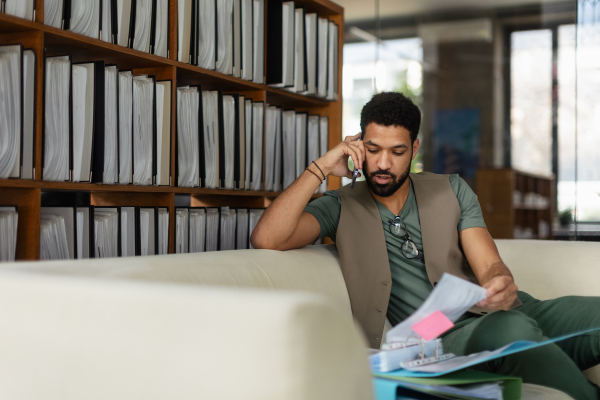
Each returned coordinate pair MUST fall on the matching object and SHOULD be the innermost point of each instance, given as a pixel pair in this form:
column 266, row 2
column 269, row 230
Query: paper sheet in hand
column 452, row 296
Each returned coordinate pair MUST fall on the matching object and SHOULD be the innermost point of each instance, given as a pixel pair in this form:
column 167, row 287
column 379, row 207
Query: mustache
column 381, row 172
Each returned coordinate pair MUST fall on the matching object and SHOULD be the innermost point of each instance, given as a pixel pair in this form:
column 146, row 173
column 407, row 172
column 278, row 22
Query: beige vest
column 363, row 253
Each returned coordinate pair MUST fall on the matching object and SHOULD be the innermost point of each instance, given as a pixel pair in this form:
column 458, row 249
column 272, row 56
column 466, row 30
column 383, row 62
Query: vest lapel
column 364, row 259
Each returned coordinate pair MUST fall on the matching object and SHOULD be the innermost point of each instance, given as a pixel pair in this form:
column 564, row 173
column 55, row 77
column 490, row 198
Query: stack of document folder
column 9, row 219
column 80, row 232
column 302, row 49
column 138, row 24
column 199, row 229
column 226, row 36
column 104, row 125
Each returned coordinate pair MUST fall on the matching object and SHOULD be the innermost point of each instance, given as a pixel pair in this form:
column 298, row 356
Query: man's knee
column 501, row 328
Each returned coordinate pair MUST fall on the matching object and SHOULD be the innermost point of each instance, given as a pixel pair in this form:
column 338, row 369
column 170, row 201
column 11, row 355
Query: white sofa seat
column 66, row 337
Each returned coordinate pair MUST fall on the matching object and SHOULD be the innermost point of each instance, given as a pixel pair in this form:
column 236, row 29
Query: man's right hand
column 335, row 161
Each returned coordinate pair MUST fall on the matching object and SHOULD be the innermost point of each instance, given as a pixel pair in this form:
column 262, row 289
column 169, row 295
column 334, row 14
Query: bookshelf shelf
column 46, row 40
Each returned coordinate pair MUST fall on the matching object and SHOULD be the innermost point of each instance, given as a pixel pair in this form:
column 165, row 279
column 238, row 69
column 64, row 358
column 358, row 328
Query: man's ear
column 416, row 145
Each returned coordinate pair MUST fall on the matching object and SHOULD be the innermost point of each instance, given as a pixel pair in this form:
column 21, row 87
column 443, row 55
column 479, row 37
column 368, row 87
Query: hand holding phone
column 355, row 172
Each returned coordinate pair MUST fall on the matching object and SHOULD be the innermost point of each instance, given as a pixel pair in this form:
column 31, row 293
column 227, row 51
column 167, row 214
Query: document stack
column 303, row 50
column 8, row 233
column 80, row 232
column 19, row 8
column 226, row 36
column 305, row 139
column 199, row 229
column 17, row 88
column 106, row 126
column 138, row 24
column 219, row 143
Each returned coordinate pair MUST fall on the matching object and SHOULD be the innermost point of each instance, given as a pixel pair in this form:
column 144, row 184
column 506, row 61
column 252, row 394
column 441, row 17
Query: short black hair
column 390, row 108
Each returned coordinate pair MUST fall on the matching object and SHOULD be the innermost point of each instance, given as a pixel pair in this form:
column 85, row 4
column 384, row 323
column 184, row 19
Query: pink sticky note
column 432, row 326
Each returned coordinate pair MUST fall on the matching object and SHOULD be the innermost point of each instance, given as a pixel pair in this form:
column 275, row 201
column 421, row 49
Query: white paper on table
column 452, row 296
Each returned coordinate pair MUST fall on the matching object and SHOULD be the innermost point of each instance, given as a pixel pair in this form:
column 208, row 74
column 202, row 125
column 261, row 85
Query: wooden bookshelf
column 515, row 204
column 50, row 41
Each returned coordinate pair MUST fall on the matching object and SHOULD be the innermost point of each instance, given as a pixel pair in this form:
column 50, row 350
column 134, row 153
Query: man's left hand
column 501, row 293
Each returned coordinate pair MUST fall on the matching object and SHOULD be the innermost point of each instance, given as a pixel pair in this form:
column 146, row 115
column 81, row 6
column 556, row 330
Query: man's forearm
column 498, row 268
column 281, row 218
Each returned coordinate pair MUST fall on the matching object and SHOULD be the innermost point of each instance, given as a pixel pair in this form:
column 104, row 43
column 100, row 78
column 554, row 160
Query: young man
column 398, row 232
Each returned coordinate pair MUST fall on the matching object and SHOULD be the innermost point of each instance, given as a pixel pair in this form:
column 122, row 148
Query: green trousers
column 557, row 365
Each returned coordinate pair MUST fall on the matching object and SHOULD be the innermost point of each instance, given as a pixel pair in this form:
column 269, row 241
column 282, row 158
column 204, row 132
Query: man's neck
column 395, row 202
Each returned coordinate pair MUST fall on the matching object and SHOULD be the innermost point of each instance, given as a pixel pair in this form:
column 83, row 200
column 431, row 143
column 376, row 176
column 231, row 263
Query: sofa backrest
column 548, row 269
column 311, row 269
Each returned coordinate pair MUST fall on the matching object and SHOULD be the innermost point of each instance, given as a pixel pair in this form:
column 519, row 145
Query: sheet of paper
column 452, row 296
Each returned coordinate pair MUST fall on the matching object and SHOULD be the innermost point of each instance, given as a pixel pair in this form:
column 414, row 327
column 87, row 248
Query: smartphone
column 355, row 172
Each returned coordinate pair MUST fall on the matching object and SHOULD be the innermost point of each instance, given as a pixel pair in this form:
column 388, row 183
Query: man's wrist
column 322, row 167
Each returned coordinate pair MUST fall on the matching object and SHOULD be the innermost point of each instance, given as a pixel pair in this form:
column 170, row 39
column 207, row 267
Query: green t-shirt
column 410, row 284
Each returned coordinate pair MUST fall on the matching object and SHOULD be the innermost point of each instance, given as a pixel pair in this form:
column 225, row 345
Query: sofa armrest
column 75, row 337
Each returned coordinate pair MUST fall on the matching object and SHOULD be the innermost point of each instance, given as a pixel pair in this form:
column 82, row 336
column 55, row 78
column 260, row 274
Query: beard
column 387, row 189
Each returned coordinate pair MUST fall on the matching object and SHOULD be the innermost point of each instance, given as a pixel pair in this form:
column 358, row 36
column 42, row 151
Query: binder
column 161, row 28
column 322, row 56
column 207, row 33
column 57, row 138
column 184, row 30
column 182, row 230
column 311, row 53
column 106, row 166
column 247, row 39
column 258, row 37
column 301, row 135
column 151, row 224
column 300, row 64
column 249, row 143
column 332, row 80
column 124, row 11
column 280, row 43
column 125, row 126
column 144, row 129
column 108, row 21
column 11, row 162
column 237, row 39
column 197, row 229
column 29, row 114
column 142, row 25
column 227, row 225
column 288, row 136
column 225, row 36
column 9, row 219
column 163, row 133
column 105, row 231
column 188, row 139
column 220, row 141
column 212, row 122
column 87, row 93
column 278, row 173
column 323, row 145
column 65, row 228
column 53, row 13
column 313, row 139
column 241, row 232
column 19, row 8
column 240, row 142
column 83, row 17
column 258, row 110
column 229, row 142
column 128, row 231
column 212, row 229
column 270, row 138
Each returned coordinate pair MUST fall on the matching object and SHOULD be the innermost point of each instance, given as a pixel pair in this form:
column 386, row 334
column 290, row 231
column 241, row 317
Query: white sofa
column 249, row 324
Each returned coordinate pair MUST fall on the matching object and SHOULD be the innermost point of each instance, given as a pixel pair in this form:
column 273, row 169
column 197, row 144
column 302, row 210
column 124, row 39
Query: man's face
column 388, row 157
